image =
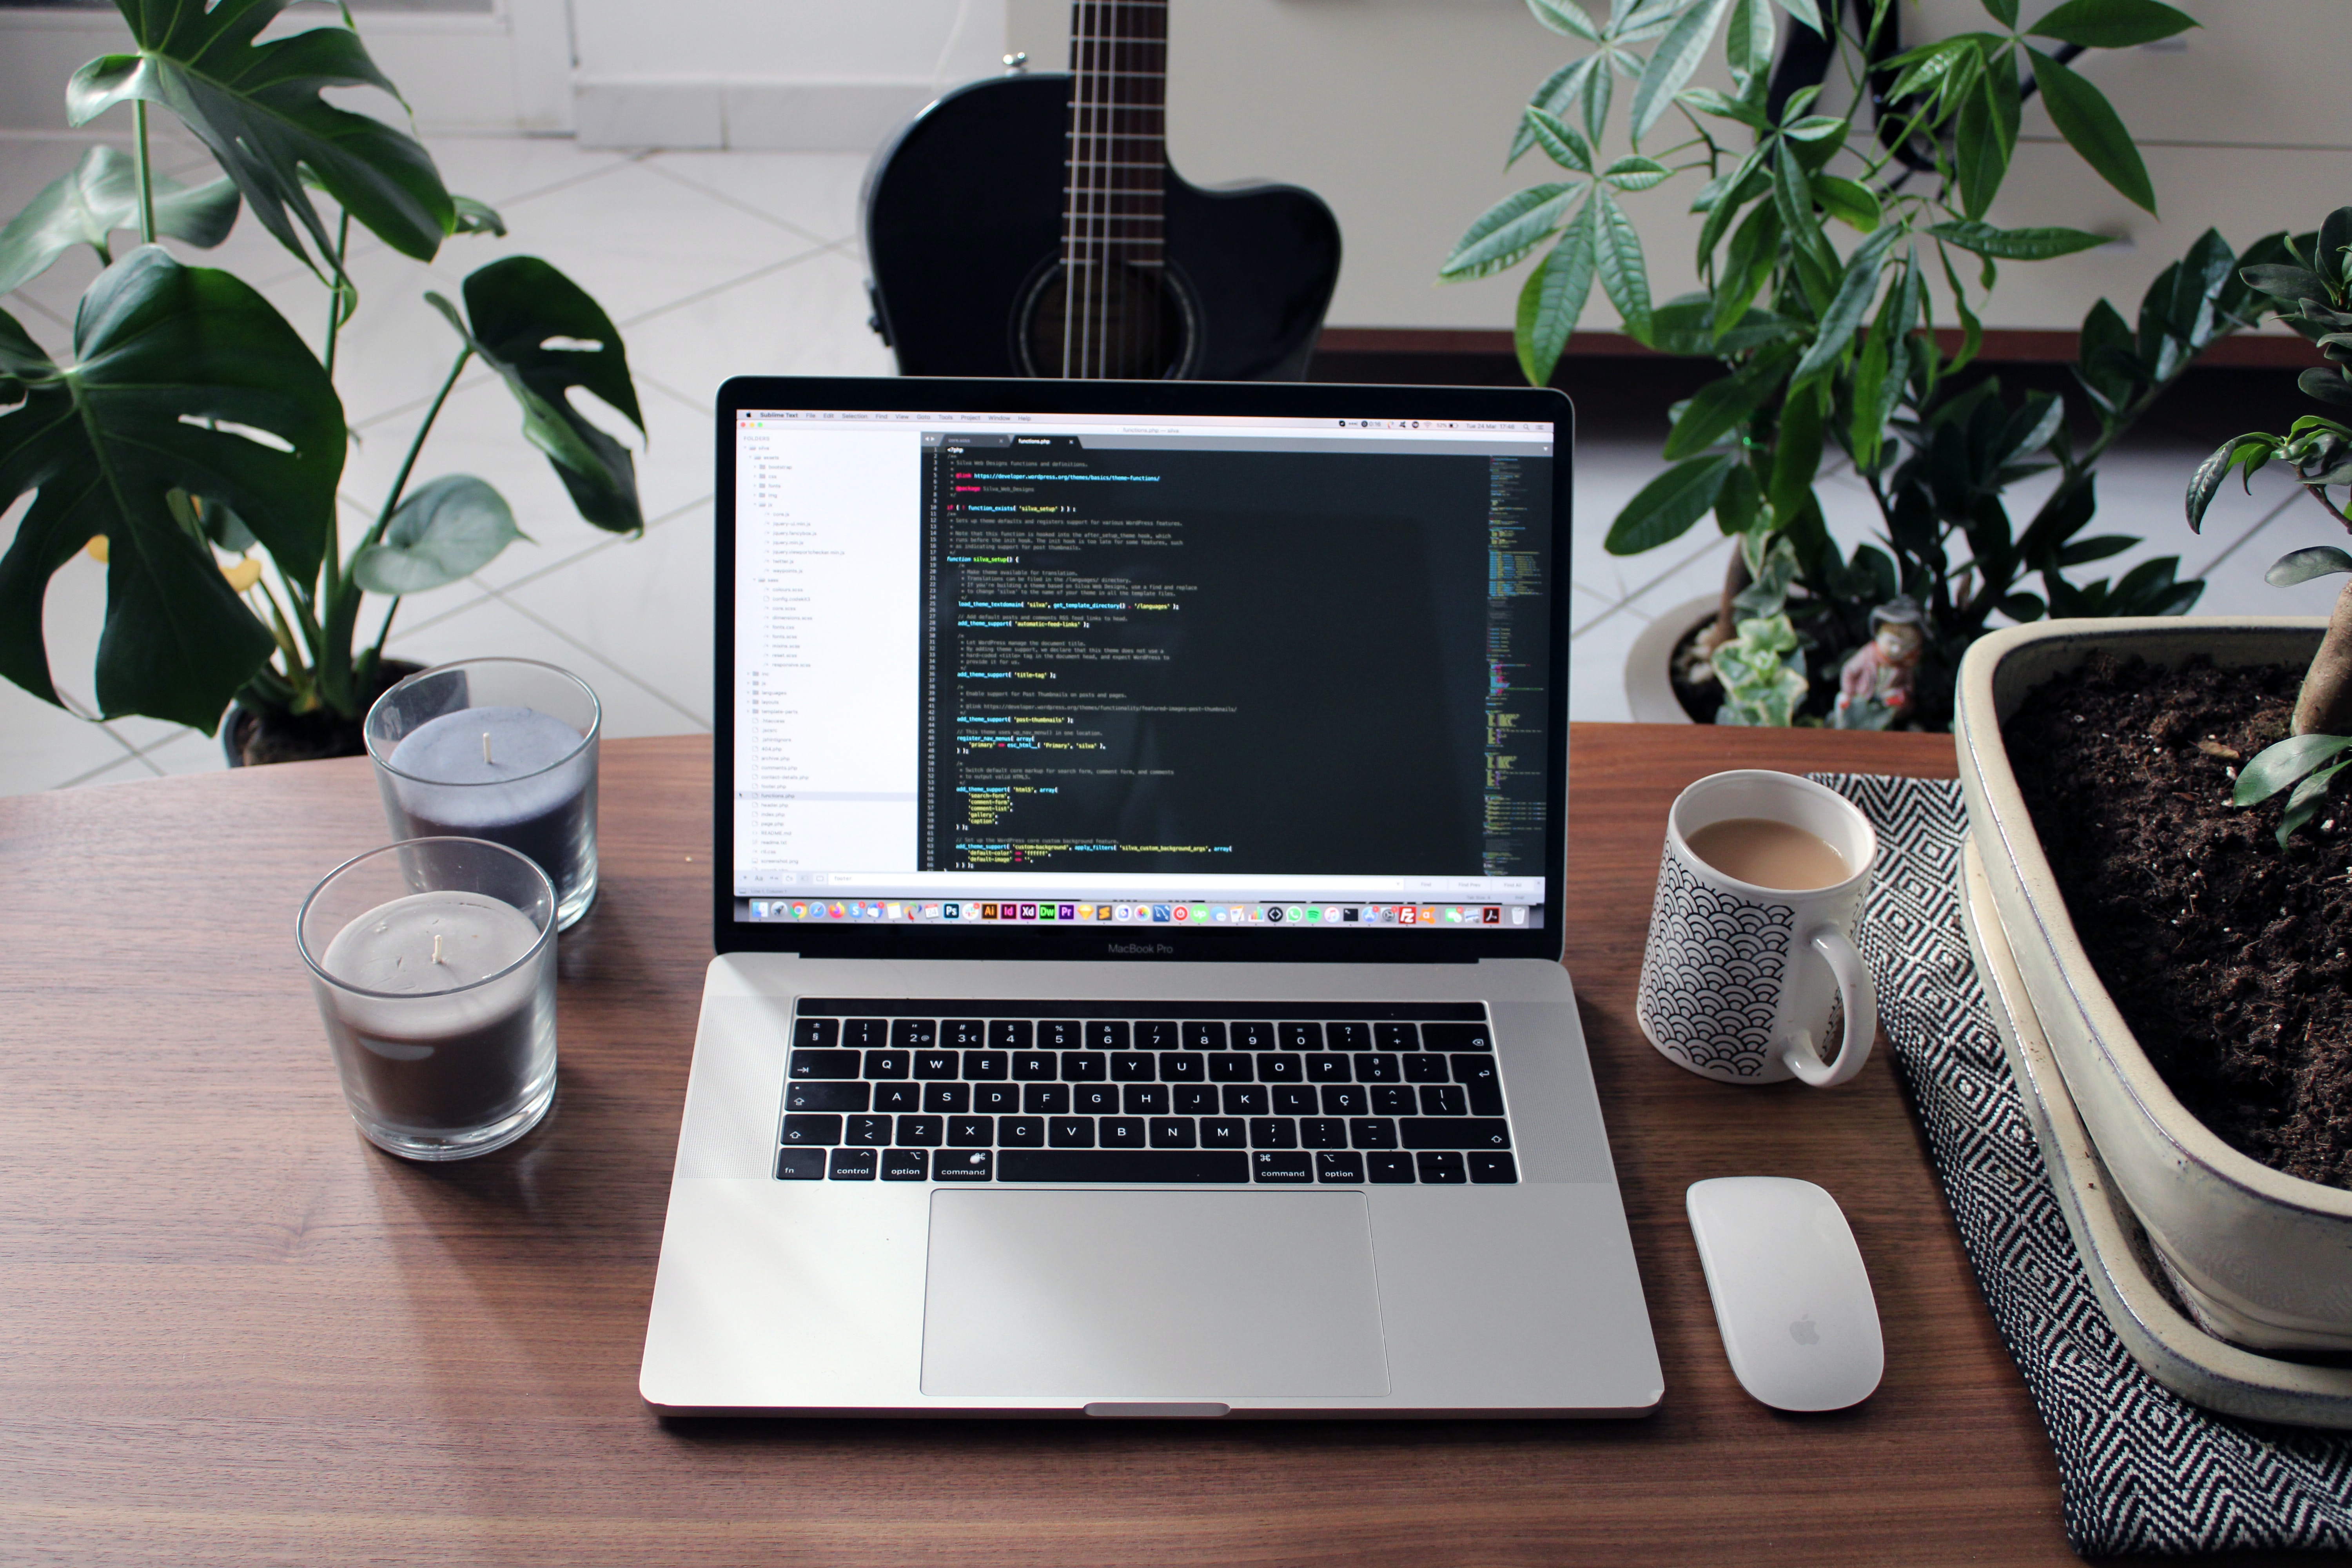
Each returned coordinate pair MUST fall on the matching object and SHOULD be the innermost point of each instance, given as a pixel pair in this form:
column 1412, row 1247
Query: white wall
column 1398, row 112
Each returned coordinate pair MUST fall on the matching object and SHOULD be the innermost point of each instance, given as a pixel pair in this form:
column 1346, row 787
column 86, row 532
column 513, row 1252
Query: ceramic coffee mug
column 1745, row 984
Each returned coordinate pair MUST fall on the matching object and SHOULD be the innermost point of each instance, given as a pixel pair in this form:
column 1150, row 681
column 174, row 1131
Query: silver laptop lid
column 1121, row 670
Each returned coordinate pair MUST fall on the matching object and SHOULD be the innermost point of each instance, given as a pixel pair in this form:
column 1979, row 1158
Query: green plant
column 2311, row 291
column 1827, row 352
column 192, row 420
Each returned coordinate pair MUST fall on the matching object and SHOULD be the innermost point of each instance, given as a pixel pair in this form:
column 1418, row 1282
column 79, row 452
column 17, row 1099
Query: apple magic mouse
column 1791, row 1294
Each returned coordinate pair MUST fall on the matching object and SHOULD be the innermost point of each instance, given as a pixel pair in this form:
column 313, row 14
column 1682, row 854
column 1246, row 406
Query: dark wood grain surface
column 233, row 1333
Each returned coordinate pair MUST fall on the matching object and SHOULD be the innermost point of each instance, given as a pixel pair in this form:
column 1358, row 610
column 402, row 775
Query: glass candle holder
column 433, row 963
column 502, row 749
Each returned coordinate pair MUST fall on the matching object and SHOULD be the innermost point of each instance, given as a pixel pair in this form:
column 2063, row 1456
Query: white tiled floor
column 714, row 263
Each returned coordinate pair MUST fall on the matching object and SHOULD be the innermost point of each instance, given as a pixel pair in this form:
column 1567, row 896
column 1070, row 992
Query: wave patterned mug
column 1745, row 980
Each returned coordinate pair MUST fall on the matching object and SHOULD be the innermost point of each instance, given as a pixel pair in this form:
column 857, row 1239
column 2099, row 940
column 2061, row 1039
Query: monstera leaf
column 185, row 379
column 542, row 332
column 443, row 533
column 257, row 107
column 99, row 198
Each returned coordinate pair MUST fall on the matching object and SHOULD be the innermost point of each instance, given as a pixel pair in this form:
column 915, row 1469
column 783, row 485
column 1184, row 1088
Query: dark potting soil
column 2226, row 955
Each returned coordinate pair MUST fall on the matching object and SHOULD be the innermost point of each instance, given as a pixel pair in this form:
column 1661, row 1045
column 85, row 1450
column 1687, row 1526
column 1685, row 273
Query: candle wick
column 436, row 950
column 486, row 745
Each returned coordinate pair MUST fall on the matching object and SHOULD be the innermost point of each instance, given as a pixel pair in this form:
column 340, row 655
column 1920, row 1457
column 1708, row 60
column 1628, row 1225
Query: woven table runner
column 2139, row 1468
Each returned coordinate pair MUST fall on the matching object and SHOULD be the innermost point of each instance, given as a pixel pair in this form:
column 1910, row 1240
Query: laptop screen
column 1138, row 673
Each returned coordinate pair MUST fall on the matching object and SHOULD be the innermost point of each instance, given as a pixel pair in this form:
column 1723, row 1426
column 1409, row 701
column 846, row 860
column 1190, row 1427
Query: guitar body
column 964, row 237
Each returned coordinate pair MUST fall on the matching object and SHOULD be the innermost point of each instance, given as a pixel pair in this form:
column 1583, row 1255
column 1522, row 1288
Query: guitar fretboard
column 1114, row 189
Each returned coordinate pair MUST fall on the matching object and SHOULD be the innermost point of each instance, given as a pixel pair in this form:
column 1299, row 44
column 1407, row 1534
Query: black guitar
column 1031, row 225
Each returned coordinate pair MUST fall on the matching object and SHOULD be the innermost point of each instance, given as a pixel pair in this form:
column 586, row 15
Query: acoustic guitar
column 1031, row 225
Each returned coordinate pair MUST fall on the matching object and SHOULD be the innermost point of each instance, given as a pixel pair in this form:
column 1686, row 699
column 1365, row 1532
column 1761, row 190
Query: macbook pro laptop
column 1140, row 877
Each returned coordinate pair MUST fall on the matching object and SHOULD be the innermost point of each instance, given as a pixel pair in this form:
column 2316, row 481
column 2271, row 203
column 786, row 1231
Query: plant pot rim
column 1978, row 724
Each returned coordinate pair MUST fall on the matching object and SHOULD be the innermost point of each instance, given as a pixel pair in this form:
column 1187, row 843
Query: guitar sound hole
column 1137, row 327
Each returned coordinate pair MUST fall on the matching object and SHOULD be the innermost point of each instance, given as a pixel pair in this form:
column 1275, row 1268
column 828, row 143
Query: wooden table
column 233, row 1333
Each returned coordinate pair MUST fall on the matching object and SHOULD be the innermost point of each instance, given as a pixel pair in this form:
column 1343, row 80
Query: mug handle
column 1861, row 1014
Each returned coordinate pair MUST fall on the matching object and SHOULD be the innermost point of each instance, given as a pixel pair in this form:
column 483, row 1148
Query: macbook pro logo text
column 1144, row 949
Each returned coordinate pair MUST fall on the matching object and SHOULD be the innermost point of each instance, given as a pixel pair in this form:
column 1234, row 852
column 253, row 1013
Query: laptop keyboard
column 1189, row 1093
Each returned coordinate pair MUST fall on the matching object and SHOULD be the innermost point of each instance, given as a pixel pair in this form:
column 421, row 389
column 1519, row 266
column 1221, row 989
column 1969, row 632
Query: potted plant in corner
column 2151, row 802
column 191, row 439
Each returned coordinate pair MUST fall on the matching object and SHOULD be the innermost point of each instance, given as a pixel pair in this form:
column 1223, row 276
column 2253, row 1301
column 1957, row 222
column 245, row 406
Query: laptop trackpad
column 1149, row 1294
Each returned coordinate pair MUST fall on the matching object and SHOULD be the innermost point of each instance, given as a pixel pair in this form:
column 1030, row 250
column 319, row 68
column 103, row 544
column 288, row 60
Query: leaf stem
column 335, row 293
column 408, row 464
column 2319, row 494
column 145, row 171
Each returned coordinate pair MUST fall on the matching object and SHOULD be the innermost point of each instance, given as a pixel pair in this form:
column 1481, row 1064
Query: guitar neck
column 1113, row 196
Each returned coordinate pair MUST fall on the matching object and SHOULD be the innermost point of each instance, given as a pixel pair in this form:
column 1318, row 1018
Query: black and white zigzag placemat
column 2139, row 1470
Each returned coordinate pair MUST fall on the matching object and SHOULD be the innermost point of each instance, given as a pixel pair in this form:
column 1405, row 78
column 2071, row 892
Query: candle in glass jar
column 491, row 772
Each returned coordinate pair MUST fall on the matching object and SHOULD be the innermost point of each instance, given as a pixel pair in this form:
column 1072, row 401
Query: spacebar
column 1122, row 1165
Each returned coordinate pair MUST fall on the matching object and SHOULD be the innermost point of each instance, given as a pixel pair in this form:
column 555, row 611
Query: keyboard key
column 1144, row 1100
column 984, row 1064
column 812, row 1129
column 1021, row 1132
column 1394, row 1100
column 866, row 1033
column 996, row 1099
column 854, row 1164
column 1223, row 1132
column 919, row 1132
column 1322, row 1132
column 1155, row 1037
column 947, row 1099
column 1423, row 1068
column 800, row 1164
column 1034, row 1065
column 1373, row 1132
column 1300, row 1036
column 871, row 1132
column 1045, row 1098
column 898, row 1096
column 1294, row 1100
column 1272, row 1132
column 1280, row 1067
column 1326, row 1066
column 1190, row 1165
column 823, row 1063
column 1377, row 1066
column 1011, row 1035
column 1339, row 1167
column 1070, row 1131
column 1349, row 1037
column 1273, row 1165
column 1172, row 1132
column 972, row 1131
column 1458, row 1037
column 1245, row 1100
column 1232, row 1067
column 1492, row 1170
column 962, row 1165
column 1183, row 1066
column 935, row 1064
column 1389, row 1168
column 1439, row 1167
column 1195, row 1099
column 1058, row 1035
column 1476, row 1076
column 1395, row 1037
column 1253, row 1036
column 964, row 1034
column 1119, row 1132
column 816, row 1034
column 906, row 1165
column 1095, row 1098
column 1204, row 1037
column 1106, row 1036
column 886, row 1064
column 1444, row 1099
column 1134, row 1067
column 1084, row 1067
column 1345, row 1100
column 1455, row 1133
column 827, row 1096
column 914, row 1033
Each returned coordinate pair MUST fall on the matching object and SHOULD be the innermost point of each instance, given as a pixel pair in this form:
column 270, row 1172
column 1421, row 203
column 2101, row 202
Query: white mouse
column 1791, row 1294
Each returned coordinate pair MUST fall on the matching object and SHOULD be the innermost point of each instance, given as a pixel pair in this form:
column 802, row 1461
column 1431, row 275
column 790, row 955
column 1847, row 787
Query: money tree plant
column 1827, row 344
column 194, row 441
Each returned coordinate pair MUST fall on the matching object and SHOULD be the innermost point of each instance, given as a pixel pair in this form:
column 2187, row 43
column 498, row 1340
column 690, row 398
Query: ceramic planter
column 1648, row 684
column 2259, row 1257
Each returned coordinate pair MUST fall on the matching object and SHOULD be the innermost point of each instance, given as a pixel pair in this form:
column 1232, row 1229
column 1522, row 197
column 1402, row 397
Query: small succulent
column 2314, row 296
column 1762, row 669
